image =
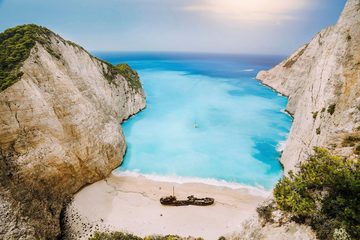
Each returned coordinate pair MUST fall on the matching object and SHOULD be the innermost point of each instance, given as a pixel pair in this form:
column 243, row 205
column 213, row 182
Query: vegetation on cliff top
column 126, row 236
column 16, row 44
column 131, row 76
column 324, row 194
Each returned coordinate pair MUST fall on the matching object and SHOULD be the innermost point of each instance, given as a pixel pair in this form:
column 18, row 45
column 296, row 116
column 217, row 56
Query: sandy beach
column 131, row 204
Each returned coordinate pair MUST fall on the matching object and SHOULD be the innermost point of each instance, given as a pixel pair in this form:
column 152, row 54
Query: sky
column 213, row 26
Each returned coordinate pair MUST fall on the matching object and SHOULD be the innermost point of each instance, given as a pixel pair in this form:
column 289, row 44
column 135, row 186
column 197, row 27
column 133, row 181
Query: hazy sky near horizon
column 228, row 26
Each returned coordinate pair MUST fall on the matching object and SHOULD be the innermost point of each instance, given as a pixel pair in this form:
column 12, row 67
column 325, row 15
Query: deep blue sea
column 206, row 118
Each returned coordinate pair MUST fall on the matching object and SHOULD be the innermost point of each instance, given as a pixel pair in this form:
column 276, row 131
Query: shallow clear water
column 206, row 117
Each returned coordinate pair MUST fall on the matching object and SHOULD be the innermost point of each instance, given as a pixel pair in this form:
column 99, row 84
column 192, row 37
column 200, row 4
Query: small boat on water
column 191, row 200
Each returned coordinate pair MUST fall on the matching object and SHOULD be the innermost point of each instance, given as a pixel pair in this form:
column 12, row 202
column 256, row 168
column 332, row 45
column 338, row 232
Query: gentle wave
column 281, row 146
column 258, row 190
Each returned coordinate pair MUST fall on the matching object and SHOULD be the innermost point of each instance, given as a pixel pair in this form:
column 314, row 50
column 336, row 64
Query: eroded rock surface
column 322, row 81
column 59, row 131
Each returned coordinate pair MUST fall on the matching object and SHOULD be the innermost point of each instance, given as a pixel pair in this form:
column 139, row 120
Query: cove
column 206, row 117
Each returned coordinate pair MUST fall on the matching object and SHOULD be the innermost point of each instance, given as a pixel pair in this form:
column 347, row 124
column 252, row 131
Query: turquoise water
column 206, row 117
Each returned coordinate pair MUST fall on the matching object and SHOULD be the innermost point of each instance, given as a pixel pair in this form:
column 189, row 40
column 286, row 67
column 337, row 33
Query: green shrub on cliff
column 324, row 194
column 331, row 109
column 314, row 114
column 131, row 76
column 15, row 46
column 351, row 141
column 114, row 236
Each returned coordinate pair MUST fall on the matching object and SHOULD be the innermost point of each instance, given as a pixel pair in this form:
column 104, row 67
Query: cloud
column 249, row 10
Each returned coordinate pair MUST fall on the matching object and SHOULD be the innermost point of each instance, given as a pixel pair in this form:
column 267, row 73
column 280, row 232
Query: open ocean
column 207, row 119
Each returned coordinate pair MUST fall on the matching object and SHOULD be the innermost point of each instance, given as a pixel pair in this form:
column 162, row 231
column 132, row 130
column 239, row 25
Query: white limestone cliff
column 59, row 131
column 322, row 81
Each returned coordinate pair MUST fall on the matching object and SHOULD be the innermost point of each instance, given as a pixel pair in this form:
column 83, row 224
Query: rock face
column 322, row 81
column 59, row 131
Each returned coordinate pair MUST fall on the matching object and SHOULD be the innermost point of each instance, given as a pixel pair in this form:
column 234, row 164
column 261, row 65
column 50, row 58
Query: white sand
column 131, row 204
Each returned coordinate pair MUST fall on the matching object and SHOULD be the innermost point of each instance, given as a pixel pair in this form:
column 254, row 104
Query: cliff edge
column 322, row 81
column 61, row 110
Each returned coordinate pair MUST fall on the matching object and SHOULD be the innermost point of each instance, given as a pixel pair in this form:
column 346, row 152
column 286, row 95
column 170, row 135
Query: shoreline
column 174, row 179
column 131, row 204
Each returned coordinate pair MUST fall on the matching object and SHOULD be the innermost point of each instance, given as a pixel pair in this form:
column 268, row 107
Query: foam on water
column 205, row 121
column 248, row 70
column 258, row 190
column 281, row 146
